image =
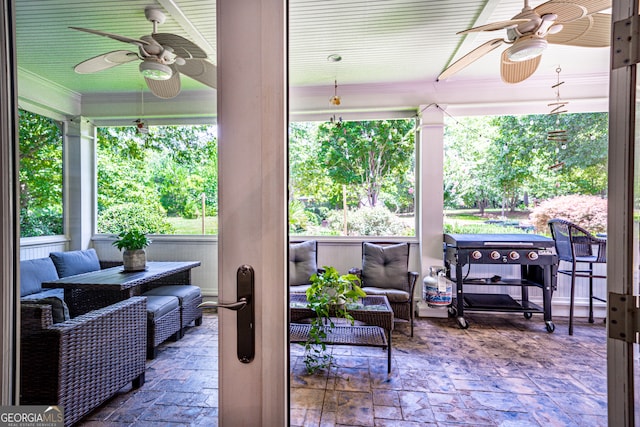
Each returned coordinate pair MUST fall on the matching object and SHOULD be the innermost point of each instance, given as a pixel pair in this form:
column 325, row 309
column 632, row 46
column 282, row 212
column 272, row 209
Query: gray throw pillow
column 302, row 262
column 385, row 266
column 75, row 262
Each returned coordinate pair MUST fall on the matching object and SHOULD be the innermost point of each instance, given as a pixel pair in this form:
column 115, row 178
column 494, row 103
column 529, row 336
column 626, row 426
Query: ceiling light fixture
column 526, row 48
column 155, row 71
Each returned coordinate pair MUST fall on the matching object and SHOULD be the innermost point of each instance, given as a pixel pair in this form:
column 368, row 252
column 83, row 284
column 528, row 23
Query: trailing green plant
column 328, row 297
column 132, row 240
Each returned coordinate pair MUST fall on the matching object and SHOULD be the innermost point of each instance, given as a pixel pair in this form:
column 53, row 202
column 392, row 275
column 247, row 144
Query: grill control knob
column 513, row 255
column 476, row 254
column 532, row 256
column 495, row 255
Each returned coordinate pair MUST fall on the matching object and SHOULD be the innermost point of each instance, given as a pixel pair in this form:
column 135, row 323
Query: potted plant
column 328, row 297
column 134, row 256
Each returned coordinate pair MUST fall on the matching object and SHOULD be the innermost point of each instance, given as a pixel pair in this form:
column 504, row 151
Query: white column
column 430, row 152
column 80, row 182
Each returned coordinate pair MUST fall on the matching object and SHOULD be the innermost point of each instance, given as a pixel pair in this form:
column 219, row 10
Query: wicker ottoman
column 189, row 297
column 163, row 321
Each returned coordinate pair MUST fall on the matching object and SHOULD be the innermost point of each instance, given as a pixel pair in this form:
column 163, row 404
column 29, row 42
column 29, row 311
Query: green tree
column 369, row 156
column 466, row 165
column 500, row 159
column 40, row 175
column 168, row 169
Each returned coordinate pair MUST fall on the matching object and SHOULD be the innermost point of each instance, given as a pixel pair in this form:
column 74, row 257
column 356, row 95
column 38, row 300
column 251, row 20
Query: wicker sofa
column 83, row 361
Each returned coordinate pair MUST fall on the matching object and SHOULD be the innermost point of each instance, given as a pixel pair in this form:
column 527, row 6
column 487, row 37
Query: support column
column 80, row 182
column 431, row 156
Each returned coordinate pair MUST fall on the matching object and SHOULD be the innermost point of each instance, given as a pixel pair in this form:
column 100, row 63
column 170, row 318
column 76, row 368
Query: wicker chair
column 82, row 362
column 385, row 271
column 576, row 245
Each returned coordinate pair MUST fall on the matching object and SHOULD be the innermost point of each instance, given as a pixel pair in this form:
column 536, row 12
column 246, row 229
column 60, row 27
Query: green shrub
column 300, row 219
column 589, row 212
column 40, row 222
column 378, row 221
column 146, row 218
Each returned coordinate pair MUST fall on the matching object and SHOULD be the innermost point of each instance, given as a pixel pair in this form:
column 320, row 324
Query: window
column 160, row 179
column 352, row 178
column 41, row 212
column 508, row 174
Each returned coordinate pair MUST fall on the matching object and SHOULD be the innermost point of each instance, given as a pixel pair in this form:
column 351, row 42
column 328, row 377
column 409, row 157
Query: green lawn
column 194, row 226
column 470, row 221
column 455, row 221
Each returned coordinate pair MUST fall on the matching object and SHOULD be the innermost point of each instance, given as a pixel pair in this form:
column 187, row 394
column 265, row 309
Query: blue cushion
column 35, row 271
column 183, row 292
column 75, row 262
column 159, row 305
column 302, row 262
column 385, row 266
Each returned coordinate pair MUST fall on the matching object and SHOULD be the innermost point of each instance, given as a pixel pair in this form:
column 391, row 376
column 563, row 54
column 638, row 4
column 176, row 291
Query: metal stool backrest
column 574, row 241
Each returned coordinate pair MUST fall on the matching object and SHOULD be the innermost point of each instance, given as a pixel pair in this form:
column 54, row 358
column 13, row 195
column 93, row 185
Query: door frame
column 9, row 231
column 620, row 272
column 252, row 194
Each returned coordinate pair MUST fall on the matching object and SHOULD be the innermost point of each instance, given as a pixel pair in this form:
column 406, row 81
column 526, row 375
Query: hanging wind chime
column 141, row 126
column 559, row 136
column 335, row 101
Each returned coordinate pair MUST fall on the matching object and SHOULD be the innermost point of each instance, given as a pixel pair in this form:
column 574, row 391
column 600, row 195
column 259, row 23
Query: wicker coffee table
column 374, row 311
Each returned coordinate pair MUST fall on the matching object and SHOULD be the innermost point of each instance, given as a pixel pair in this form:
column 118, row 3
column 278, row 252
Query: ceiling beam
column 176, row 13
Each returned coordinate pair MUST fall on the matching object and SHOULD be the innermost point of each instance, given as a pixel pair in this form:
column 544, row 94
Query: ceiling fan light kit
column 526, row 48
column 155, row 70
column 563, row 22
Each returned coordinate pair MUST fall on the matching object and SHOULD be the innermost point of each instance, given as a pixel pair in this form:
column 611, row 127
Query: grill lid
column 523, row 240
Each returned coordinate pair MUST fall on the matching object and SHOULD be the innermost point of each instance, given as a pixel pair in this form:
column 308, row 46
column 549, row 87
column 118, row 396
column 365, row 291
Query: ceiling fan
column 564, row 22
column 164, row 56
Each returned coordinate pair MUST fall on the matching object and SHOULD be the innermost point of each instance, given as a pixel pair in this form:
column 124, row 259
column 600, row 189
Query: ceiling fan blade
column 568, row 11
column 494, row 26
column 165, row 88
column 181, row 46
column 590, row 31
column 470, row 57
column 117, row 37
column 515, row 72
column 105, row 61
column 201, row 70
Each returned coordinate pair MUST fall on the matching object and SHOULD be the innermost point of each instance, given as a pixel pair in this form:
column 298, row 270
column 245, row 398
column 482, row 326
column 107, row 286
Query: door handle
column 245, row 328
column 235, row 306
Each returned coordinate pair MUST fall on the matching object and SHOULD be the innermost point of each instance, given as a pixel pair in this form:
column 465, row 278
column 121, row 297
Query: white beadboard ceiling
column 392, row 51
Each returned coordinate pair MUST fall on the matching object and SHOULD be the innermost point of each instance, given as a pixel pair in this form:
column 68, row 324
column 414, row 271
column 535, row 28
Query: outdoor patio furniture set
column 385, row 278
column 86, row 331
